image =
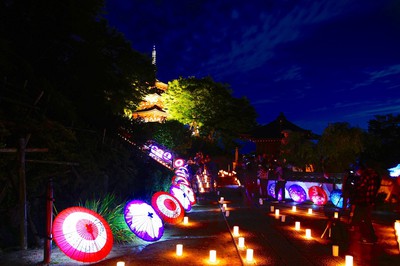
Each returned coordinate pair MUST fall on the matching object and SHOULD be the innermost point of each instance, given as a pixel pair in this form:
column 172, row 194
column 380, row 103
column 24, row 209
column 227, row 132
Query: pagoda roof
column 274, row 129
column 153, row 110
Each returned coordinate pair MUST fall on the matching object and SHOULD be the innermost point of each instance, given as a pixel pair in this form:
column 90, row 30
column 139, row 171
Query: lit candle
column 283, row 218
column 224, row 205
column 179, row 249
column 249, row 254
column 241, row 242
column 236, row 230
column 309, row 211
column 308, row 233
column 294, row 208
column 297, row 226
column 213, row 256
column 277, row 213
column 260, row 201
column 185, row 220
column 349, row 260
column 227, row 213
column 335, row 250
column 221, row 199
column 120, row 263
column 335, row 215
column 272, row 208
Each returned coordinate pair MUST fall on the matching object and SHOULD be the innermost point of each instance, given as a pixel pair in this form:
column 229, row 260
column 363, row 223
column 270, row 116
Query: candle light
column 185, row 220
column 221, row 199
column 272, row 208
column 236, row 230
column 283, row 218
column 349, row 260
column 224, row 205
column 308, row 233
column 179, row 249
column 309, row 211
column 120, row 263
column 249, row 254
column 277, row 213
column 335, row 250
column 227, row 213
column 297, row 226
column 335, row 215
column 241, row 242
column 213, row 256
column 294, row 208
column 260, row 201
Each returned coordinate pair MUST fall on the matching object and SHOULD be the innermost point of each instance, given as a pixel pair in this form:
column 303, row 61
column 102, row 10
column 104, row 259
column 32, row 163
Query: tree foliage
column 340, row 146
column 209, row 109
column 299, row 150
column 383, row 145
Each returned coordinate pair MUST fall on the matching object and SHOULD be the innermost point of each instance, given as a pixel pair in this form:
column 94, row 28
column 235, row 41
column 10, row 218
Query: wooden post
column 49, row 221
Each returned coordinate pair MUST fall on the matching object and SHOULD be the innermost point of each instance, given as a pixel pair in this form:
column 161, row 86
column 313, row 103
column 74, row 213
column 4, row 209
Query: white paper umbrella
column 183, row 198
column 143, row 220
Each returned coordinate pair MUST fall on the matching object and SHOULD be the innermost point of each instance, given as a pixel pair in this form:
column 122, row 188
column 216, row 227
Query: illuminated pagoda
column 151, row 109
column 269, row 138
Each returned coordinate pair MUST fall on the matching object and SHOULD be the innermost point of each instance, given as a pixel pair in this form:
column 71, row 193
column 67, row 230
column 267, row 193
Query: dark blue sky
column 317, row 61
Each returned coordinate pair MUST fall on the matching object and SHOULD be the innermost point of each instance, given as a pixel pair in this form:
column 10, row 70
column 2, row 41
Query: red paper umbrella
column 82, row 234
column 168, row 207
column 180, row 179
column 317, row 195
column 189, row 192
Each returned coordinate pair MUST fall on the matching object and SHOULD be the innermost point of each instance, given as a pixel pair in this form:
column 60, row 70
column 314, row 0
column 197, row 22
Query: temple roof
column 274, row 129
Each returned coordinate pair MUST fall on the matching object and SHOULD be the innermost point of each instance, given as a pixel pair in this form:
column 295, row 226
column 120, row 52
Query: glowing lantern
column 249, row 255
column 236, row 230
column 179, row 249
column 213, row 256
column 241, row 242
column 349, row 260
column 308, row 233
column 297, row 226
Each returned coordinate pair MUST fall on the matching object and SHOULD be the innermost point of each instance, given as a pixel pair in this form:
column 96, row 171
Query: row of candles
column 249, row 253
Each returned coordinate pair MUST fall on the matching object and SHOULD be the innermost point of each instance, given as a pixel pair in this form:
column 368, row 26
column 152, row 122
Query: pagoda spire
column 154, row 55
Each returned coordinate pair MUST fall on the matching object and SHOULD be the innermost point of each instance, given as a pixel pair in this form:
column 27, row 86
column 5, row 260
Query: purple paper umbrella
column 182, row 196
column 143, row 220
column 297, row 193
column 271, row 191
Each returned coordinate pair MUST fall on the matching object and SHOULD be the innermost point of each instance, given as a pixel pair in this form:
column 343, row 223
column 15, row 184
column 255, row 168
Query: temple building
column 269, row 138
column 151, row 109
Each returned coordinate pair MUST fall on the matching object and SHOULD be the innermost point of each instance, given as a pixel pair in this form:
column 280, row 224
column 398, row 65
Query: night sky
column 317, row 61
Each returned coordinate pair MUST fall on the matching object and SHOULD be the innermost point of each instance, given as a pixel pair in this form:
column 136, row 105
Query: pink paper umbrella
column 181, row 195
column 82, row 234
column 143, row 220
column 168, row 207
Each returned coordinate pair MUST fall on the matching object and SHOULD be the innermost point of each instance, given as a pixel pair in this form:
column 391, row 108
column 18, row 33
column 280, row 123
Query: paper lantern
column 241, row 242
column 213, row 256
column 297, row 226
column 249, row 255
column 179, row 249
column 236, row 230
